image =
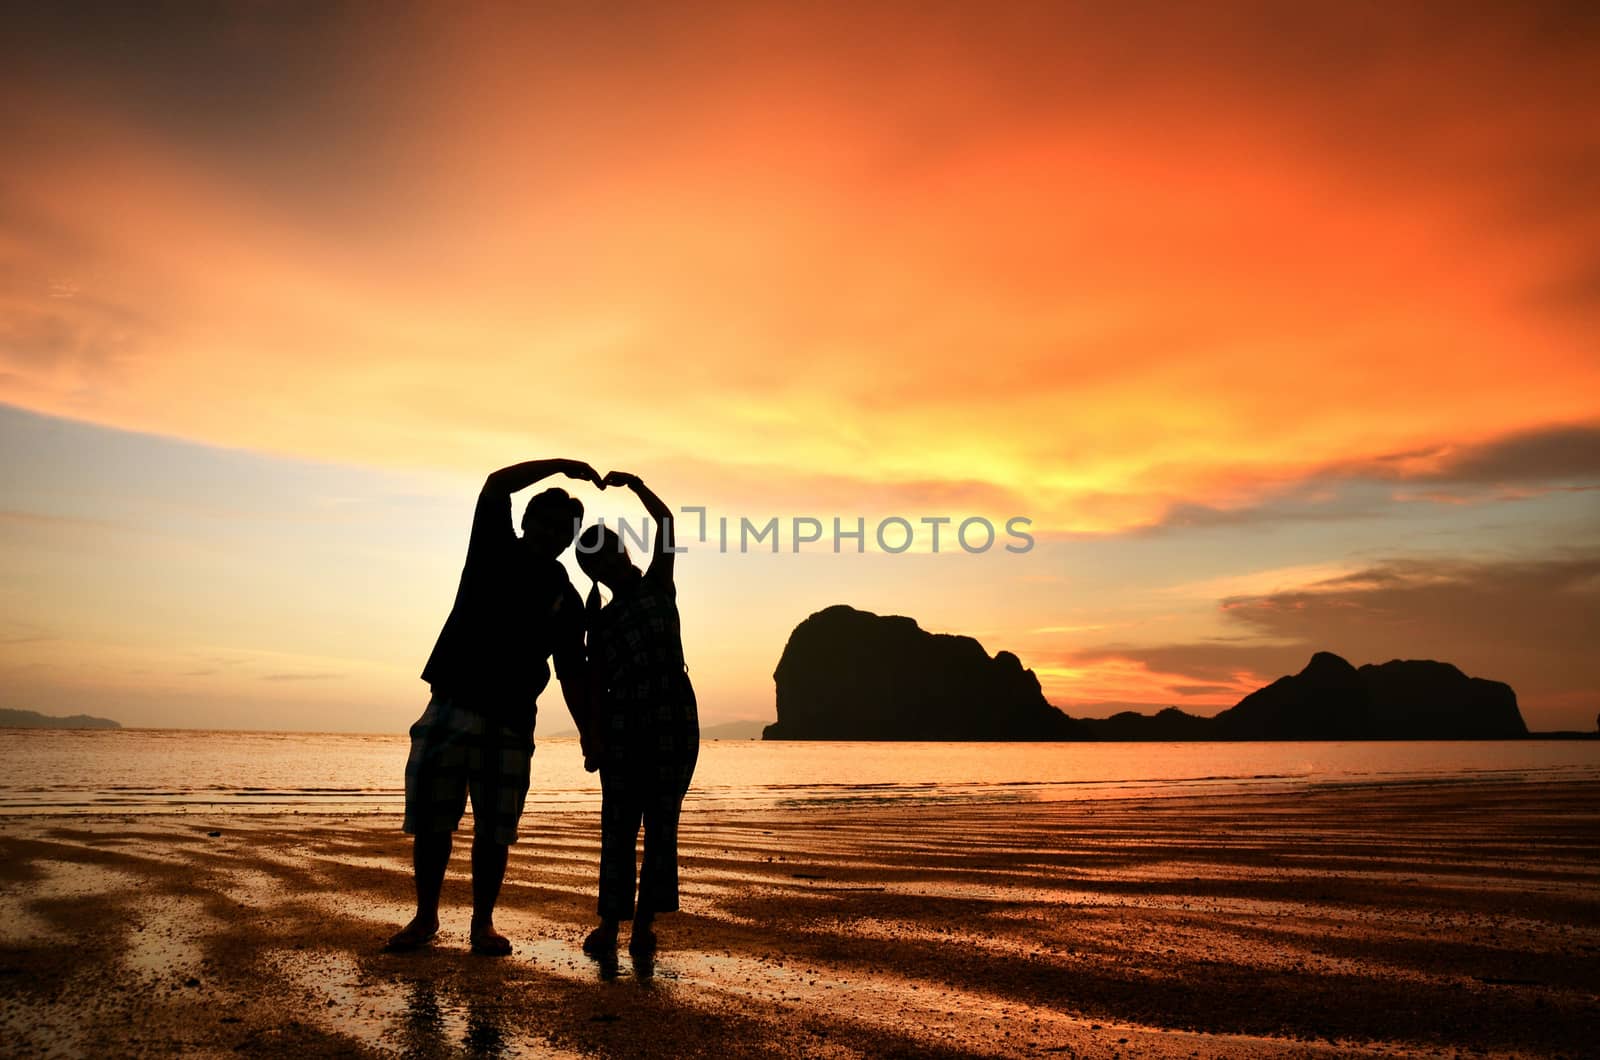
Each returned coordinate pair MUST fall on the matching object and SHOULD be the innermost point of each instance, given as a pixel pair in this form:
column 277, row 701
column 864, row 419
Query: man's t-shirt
column 513, row 611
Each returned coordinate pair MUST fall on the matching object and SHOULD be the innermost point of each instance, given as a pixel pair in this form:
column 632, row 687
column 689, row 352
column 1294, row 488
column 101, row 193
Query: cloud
column 1553, row 454
column 51, row 521
column 1128, row 264
column 1202, row 677
column 1204, row 690
column 1310, row 501
column 17, row 632
column 1212, row 662
column 1413, row 606
column 1518, row 466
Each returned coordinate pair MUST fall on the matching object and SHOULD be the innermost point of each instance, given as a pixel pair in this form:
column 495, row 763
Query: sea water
column 166, row 771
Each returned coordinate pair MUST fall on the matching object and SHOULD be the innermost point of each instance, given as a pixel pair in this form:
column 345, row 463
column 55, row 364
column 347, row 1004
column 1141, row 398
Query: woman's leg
column 658, row 876
column 620, row 817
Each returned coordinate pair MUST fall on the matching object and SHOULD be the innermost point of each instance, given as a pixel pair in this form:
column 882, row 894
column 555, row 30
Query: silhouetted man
column 515, row 608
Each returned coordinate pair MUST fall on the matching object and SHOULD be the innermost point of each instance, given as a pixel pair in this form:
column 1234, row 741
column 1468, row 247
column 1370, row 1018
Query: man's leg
column 435, row 798
column 430, row 854
column 498, row 788
column 488, row 872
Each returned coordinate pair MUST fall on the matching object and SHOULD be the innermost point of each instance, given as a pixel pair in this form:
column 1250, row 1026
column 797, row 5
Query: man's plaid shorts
column 455, row 751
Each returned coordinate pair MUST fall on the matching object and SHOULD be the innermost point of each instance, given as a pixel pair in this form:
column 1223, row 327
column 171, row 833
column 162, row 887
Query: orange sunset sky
column 1281, row 322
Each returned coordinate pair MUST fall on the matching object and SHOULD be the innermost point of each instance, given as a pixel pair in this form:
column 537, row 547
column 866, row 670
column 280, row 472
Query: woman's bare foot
column 602, row 940
column 487, row 942
column 642, row 942
column 421, row 931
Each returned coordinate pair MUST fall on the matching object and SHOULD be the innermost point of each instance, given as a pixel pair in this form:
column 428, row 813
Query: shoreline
column 1006, row 794
column 570, row 734
column 1386, row 918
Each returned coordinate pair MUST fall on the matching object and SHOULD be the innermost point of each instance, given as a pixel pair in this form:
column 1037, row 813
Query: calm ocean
column 164, row 771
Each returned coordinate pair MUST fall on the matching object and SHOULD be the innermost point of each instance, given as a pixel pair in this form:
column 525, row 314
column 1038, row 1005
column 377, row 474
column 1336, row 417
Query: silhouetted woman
column 645, row 731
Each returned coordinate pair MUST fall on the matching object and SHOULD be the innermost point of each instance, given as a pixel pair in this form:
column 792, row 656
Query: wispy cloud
column 18, row 632
column 1519, row 466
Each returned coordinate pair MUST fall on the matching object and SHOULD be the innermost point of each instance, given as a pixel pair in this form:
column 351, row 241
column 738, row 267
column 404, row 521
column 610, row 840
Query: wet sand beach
column 1391, row 920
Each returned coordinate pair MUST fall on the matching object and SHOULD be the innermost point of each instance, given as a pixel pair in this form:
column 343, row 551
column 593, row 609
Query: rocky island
column 31, row 719
column 854, row 675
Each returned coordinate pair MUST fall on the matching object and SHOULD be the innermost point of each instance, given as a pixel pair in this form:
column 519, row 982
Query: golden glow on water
column 145, row 771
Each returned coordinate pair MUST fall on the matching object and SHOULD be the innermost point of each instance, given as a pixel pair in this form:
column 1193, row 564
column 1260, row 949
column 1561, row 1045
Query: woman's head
column 603, row 557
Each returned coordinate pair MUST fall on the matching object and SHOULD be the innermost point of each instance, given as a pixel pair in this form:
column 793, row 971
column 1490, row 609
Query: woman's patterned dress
column 649, row 735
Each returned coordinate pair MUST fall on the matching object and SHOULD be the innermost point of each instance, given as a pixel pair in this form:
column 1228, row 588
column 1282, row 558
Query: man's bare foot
column 602, row 940
column 487, row 942
column 415, row 935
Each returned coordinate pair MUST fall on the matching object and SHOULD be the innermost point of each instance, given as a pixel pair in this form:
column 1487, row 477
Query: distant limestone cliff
column 1399, row 700
column 853, row 675
column 28, row 719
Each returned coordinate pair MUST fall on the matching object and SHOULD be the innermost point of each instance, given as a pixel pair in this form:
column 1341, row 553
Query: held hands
column 579, row 469
column 584, row 471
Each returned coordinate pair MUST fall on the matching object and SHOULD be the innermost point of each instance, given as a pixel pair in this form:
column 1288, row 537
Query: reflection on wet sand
column 430, row 1029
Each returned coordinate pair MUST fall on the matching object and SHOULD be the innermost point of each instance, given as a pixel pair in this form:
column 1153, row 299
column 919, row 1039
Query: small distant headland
column 854, row 675
column 31, row 719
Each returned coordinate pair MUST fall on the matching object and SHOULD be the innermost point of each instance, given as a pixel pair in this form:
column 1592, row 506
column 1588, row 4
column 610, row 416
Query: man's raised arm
column 509, row 480
column 491, row 521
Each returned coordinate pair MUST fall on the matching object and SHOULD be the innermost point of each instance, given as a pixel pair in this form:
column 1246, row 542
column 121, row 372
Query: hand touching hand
column 578, row 469
column 620, row 478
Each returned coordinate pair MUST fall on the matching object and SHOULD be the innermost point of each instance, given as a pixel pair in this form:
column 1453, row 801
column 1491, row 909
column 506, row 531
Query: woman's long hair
column 595, row 539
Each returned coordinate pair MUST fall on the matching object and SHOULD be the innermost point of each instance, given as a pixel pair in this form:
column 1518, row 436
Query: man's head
column 550, row 521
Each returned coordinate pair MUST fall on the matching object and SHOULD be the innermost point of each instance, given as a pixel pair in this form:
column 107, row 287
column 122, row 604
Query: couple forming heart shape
column 622, row 674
